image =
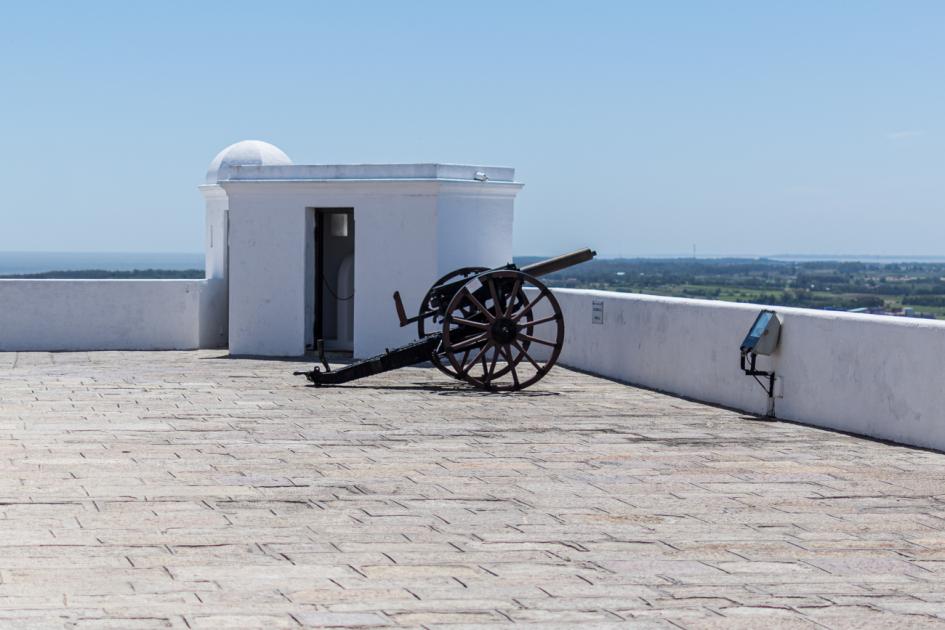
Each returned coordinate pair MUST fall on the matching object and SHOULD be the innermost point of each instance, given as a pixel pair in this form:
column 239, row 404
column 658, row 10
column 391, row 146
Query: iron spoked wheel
column 504, row 294
column 439, row 359
column 499, row 336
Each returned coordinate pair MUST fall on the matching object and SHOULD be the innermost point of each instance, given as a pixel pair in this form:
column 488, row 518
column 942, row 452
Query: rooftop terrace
column 189, row 490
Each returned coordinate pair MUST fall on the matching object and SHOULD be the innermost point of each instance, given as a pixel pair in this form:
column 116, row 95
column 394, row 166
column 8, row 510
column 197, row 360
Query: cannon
column 498, row 329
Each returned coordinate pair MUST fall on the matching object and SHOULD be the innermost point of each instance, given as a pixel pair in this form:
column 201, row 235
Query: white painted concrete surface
column 103, row 314
column 411, row 227
column 865, row 374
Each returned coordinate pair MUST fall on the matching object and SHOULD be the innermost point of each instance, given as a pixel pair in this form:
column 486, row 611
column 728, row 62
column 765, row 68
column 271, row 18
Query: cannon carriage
column 498, row 329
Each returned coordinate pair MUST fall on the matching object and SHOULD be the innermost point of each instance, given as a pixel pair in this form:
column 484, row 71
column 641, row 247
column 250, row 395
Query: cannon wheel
column 511, row 325
column 439, row 359
column 439, row 356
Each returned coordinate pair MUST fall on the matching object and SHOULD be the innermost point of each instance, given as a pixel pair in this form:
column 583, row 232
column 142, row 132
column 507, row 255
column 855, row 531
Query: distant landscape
column 914, row 289
column 896, row 287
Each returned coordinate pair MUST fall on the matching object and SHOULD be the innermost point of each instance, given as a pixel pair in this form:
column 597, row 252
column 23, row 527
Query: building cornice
column 373, row 186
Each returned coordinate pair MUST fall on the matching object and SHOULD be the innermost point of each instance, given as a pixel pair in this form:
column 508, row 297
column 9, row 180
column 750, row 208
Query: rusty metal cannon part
column 438, row 358
column 503, row 320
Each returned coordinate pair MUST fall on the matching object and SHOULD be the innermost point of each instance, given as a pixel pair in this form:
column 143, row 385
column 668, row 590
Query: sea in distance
column 14, row 263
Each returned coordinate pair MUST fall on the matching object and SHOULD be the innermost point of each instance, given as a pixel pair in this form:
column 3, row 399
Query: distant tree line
column 814, row 284
column 924, row 300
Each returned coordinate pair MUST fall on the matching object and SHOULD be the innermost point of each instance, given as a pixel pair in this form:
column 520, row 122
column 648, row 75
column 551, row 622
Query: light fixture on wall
column 338, row 224
column 762, row 338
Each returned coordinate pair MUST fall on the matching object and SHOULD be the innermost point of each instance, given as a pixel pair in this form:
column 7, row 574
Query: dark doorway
column 333, row 319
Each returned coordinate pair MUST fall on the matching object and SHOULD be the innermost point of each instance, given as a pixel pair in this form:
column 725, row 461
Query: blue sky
column 637, row 128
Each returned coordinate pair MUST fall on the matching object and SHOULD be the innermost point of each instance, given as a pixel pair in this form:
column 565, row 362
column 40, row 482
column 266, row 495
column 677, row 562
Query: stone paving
column 190, row 490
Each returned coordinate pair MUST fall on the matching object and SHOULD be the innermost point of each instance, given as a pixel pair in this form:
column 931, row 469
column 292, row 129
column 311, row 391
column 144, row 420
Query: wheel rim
column 498, row 336
column 438, row 359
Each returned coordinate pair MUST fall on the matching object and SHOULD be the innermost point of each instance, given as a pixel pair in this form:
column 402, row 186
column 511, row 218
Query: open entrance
column 332, row 303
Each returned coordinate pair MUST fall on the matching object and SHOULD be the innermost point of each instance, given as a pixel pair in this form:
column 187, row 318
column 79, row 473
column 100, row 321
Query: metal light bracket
column 752, row 371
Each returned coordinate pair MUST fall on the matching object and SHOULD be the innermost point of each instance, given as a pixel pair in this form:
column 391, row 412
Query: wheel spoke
column 537, row 340
column 543, row 320
column 471, row 323
column 478, row 304
column 495, row 358
column 475, row 360
column 469, row 343
column 528, row 308
column 524, row 352
column 507, row 351
column 495, row 297
column 512, row 296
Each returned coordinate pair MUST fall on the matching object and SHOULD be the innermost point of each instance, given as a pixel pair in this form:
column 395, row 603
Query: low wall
column 872, row 375
column 105, row 314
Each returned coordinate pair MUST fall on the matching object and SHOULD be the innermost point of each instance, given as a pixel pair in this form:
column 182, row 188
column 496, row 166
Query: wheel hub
column 503, row 330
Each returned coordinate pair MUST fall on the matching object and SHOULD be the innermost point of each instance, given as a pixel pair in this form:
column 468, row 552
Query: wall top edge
column 340, row 182
column 889, row 320
column 187, row 281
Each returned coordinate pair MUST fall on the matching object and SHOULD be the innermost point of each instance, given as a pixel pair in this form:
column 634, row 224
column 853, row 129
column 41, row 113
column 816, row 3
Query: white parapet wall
column 870, row 375
column 107, row 315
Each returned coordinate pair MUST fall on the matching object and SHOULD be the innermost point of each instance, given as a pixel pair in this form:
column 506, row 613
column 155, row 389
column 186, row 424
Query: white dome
column 247, row 152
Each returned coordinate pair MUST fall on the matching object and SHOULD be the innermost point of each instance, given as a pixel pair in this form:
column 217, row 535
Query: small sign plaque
column 597, row 312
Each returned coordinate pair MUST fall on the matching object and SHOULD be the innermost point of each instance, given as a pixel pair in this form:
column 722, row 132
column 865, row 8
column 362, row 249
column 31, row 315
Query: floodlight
column 762, row 338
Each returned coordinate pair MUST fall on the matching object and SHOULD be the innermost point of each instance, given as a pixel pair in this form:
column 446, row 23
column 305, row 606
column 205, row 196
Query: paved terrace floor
column 173, row 490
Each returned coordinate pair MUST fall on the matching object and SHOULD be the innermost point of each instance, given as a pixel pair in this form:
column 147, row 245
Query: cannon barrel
column 444, row 292
column 544, row 267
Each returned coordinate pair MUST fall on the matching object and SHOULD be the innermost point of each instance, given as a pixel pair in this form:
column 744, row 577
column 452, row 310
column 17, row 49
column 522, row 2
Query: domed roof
column 245, row 153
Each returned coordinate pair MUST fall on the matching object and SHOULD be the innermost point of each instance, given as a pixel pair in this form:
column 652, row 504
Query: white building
column 318, row 251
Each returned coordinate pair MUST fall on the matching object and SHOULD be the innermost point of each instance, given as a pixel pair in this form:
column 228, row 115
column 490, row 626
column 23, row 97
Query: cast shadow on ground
column 444, row 389
column 256, row 357
column 458, row 389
